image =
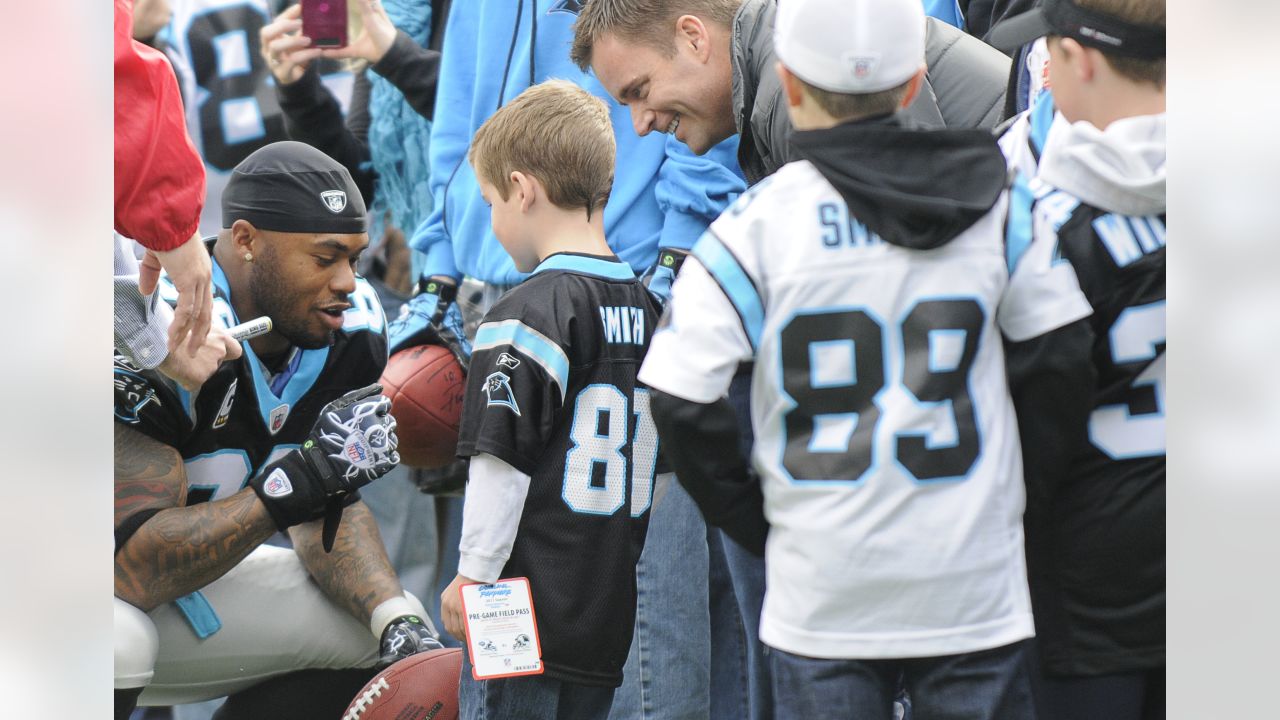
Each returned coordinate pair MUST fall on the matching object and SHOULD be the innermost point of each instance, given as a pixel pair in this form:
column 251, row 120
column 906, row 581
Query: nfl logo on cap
column 851, row 46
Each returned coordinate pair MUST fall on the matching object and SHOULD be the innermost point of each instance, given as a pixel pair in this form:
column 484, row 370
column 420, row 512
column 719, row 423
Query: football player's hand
column 352, row 443
column 189, row 268
column 432, row 318
column 406, row 635
column 658, row 278
column 284, row 47
column 451, row 607
column 191, row 371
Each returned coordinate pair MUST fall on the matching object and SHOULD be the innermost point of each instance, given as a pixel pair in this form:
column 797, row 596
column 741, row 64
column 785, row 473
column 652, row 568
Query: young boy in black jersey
column 1095, row 462
column 563, row 450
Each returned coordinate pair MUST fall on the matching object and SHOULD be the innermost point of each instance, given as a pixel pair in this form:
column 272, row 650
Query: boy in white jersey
column 869, row 283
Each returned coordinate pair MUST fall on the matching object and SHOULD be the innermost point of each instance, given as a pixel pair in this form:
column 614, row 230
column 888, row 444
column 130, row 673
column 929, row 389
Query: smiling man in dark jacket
column 704, row 70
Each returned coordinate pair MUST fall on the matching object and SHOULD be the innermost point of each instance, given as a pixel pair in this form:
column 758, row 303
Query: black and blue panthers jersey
column 1097, row 565
column 242, row 419
column 552, row 391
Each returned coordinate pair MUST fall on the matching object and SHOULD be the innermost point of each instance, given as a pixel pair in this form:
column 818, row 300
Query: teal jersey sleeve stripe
column 530, row 343
column 1018, row 233
column 735, row 283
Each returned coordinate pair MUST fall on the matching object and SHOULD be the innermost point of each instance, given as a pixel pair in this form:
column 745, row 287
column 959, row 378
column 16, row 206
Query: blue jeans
column 747, row 572
column 985, row 685
column 686, row 653
column 533, row 697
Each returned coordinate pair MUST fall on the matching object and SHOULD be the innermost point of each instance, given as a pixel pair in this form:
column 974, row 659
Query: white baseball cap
column 851, row 46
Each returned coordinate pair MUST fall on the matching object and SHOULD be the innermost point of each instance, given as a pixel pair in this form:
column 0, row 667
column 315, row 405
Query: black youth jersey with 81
column 553, row 393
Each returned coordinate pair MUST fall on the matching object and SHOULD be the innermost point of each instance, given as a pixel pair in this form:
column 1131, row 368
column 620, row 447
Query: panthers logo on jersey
column 497, row 387
column 133, row 391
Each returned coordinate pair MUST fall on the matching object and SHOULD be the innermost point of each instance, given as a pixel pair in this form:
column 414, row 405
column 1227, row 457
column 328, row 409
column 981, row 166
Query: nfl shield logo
column 357, row 449
column 335, row 200
column 862, row 67
column 277, row 418
column 277, row 484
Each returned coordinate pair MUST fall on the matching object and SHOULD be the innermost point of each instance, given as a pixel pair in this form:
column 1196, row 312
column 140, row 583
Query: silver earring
column 248, row 257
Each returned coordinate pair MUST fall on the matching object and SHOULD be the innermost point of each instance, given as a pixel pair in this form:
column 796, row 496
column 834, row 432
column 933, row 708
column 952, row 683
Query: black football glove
column 406, row 635
column 431, row 317
column 352, row 443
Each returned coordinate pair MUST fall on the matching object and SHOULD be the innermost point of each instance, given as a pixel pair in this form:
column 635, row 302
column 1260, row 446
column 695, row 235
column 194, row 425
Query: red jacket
column 159, row 175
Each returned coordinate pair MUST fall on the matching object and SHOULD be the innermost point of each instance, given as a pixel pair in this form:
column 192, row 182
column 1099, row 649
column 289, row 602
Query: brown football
column 426, row 385
column 419, row 687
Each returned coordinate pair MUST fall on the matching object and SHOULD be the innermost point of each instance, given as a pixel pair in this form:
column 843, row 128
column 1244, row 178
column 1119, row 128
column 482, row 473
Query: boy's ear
column 525, row 189
column 790, row 85
column 1082, row 61
column 913, row 87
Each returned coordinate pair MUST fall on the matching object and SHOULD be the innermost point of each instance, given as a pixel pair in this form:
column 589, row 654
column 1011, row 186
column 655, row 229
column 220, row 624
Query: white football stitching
column 366, row 698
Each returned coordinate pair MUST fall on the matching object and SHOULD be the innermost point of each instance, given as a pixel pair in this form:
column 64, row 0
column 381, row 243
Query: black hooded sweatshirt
column 917, row 189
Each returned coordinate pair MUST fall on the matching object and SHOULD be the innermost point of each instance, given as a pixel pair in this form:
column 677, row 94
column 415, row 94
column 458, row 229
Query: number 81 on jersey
column 601, row 426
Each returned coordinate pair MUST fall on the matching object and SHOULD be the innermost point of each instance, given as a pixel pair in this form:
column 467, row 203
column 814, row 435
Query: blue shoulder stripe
column 734, row 281
column 530, row 343
column 1018, row 231
column 1041, row 120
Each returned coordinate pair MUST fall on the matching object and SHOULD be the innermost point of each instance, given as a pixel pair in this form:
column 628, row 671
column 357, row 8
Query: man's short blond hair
column 556, row 132
column 643, row 22
column 1139, row 12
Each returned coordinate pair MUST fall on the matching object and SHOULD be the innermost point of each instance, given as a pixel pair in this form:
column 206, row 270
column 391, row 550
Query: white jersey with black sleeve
column 885, row 436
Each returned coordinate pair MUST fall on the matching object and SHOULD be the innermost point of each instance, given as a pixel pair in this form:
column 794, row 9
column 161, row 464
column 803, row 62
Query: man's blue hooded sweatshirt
column 663, row 194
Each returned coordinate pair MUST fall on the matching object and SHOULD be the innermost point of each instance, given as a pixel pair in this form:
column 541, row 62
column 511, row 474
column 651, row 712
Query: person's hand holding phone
column 374, row 37
column 285, row 49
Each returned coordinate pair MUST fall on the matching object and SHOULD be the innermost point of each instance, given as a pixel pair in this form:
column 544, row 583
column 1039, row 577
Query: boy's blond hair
column 556, row 132
column 1138, row 12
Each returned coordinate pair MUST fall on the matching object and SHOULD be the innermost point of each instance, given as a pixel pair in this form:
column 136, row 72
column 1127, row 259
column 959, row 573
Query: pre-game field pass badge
column 502, row 630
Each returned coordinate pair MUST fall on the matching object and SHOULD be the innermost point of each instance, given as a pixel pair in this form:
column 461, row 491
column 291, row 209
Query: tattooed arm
column 357, row 574
column 179, row 549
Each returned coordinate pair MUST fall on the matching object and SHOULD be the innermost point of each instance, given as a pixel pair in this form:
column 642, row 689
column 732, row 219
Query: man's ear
column 244, row 237
column 525, row 189
column 692, row 35
column 790, row 85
